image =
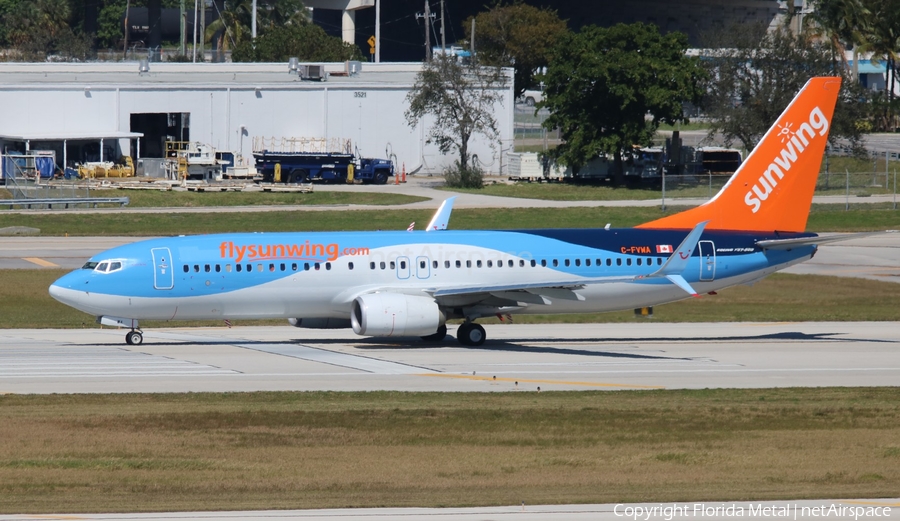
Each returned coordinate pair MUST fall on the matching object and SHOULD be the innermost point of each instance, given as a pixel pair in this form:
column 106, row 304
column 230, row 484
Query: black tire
column 381, row 177
column 529, row 101
column 438, row 336
column 471, row 334
column 298, row 175
column 134, row 338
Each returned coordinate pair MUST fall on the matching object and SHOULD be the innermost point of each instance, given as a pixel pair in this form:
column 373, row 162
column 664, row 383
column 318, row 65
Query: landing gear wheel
column 134, row 338
column 471, row 334
column 438, row 336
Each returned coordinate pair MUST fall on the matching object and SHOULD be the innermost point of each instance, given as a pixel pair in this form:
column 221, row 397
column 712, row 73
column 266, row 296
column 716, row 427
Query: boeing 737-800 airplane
column 409, row 284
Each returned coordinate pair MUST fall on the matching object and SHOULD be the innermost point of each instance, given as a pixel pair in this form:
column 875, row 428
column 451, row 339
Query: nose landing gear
column 134, row 337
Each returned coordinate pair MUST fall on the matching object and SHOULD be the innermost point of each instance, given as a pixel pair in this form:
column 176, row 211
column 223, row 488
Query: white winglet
column 442, row 216
column 678, row 261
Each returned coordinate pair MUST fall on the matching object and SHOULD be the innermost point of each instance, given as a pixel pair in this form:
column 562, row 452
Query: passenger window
column 393, row 265
column 259, row 267
column 587, row 262
column 350, row 265
column 305, row 266
column 196, row 268
column 510, row 264
column 458, row 264
column 567, row 262
column 555, row 263
column 639, row 261
column 544, row 262
column 533, row 263
column 599, row 262
column 434, row 264
column 628, row 261
column 578, row 262
column 282, row 266
column 371, row 265
column 478, row 264
column 218, row 268
column 468, row 264
column 522, row 263
column 402, row 265
column 206, row 268
column 446, row 264
column 618, row 262
column 609, row 262
column 659, row 261
column 328, row 266
column 422, row 264
column 316, row 266
column 489, row 265
column 237, row 267
column 249, row 268
column 649, row 261
column 228, row 268
column 382, row 265
column 186, row 268
column 293, row 266
column 271, row 267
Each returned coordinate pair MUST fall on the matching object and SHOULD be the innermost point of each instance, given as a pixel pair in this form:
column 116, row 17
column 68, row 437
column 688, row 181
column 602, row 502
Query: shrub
column 458, row 176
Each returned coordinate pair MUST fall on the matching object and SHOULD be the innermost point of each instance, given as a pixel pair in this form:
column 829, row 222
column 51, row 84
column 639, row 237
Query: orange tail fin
column 773, row 188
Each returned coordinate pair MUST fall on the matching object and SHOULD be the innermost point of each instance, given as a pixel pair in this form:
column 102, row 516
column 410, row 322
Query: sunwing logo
column 795, row 143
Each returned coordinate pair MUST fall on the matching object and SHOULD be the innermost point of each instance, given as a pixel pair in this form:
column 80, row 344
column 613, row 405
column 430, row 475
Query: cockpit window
column 89, row 265
column 107, row 266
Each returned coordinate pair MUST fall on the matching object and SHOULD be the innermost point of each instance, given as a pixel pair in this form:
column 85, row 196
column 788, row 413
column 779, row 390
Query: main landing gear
column 134, row 337
column 438, row 336
column 470, row 334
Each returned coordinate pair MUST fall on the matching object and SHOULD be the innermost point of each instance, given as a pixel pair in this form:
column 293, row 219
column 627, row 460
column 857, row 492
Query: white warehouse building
column 101, row 111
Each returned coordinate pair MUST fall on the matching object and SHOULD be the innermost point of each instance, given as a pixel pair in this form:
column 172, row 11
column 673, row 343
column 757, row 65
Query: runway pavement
column 857, row 509
column 516, row 358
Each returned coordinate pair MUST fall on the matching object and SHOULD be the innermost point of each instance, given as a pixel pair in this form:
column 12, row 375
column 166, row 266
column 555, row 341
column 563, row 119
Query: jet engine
column 320, row 323
column 393, row 314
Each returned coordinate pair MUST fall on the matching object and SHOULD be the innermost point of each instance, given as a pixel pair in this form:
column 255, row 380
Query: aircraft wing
column 787, row 244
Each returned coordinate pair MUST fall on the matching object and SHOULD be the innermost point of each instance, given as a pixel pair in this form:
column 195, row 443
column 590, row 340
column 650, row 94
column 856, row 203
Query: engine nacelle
column 394, row 314
column 320, row 323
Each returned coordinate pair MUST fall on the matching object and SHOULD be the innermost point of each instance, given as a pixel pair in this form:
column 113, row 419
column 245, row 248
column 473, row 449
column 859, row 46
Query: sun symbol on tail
column 785, row 132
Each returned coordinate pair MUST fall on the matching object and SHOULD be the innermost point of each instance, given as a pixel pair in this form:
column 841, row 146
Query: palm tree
column 883, row 40
column 233, row 24
column 844, row 23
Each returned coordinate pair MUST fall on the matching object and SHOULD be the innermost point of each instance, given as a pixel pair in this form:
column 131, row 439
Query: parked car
column 530, row 97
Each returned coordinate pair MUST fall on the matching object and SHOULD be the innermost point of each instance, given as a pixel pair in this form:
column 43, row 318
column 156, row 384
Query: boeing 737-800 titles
column 385, row 283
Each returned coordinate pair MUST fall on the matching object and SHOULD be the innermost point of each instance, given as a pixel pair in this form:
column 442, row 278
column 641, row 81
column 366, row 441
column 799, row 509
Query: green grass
column 25, row 303
column 247, row 451
column 833, row 218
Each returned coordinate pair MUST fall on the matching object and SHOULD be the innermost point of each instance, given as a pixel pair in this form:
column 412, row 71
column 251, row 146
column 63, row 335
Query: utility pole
column 443, row 38
column 253, row 23
column 183, row 28
column 427, row 31
column 377, row 31
column 194, row 46
column 125, row 50
column 472, row 38
column 202, row 30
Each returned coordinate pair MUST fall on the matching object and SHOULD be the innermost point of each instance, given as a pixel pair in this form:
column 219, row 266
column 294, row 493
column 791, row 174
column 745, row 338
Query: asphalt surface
column 516, row 358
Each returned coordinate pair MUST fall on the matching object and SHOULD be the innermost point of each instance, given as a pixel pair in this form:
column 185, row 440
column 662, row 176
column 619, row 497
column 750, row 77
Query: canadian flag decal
column 663, row 248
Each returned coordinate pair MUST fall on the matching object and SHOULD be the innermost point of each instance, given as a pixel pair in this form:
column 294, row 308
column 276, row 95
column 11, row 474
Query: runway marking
column 336, row 358
column 40, row 262
column 534, row 381
column 83, row 362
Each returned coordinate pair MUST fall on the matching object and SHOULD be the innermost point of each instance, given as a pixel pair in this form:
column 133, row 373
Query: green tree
column 518, row 36
column 40, row 28
column 306, row 42
column 610, row 88
column 882, row 39
column 756, row 73
column 234, row 23
column 461, row 98
column 842, row 22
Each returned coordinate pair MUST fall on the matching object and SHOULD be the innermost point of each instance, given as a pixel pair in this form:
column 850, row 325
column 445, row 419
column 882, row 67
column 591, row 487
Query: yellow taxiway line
column 40, row 262
column 533, row 381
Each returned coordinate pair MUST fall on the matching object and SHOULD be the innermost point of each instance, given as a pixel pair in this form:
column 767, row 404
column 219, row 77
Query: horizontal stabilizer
column 787, row 244
column 679, row 281
column 678, row 261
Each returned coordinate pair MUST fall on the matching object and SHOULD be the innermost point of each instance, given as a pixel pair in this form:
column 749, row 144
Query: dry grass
column 313, row 450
